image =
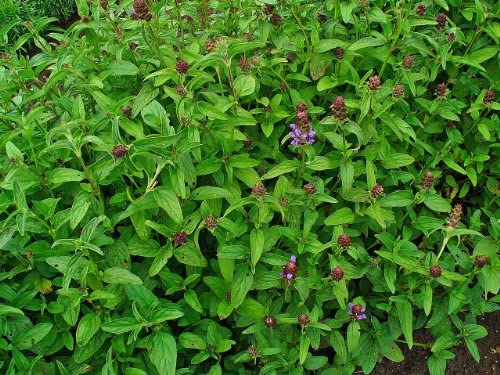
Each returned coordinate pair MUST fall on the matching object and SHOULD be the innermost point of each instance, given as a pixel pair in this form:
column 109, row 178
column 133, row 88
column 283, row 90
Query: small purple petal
column 351, row 305
column 311, row 141
column 295, row 142
column 363, row 310
column 312, row 133
column 297, row 132
column 293, row 258
column 293, row 126
column 361, row 317
column 289, row 276
column 282, row 274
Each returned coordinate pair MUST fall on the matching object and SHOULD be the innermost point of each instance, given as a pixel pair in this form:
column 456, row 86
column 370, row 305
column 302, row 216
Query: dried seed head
column 244, row 64
column 210, row 45
column 275, row 19
column 179, row 238
column 344, row 241
column 268, row 9
column 119, row 151
column 480, row 261
column 259, row 190
column 104, row 4
column 450, row 124
column 182, row 66
column 441, row 90
column 270, row 321
column 441, row 21
column 455, row 216
column 141, row 10
column 253, row 351
column 435, row 271
column 301, row 107
column 310, row 189
column 489, row 97
column 248, row 143
column 339, row 109
column 398, row 91
column 184, row 120
column 451, row 37
column 377, row 191
column 210, row 222
column 282, row 86
column 302, row 119
column 337, row 273
column 255, row 60
column 427, row 180
column 181, row 90
column 283, row 201
column 420, row 9
column 339, row 52
column 374, row 83
column 291, row 56
column 268, row 108
column 85, row 19
column 407, row 61
column 304, row 319
column 321, row 18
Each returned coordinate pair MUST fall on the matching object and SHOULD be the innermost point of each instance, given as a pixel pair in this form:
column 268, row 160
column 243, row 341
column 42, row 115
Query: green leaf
column 119, row 326
column 244, row 85
column 487, row 247
column 437, row 366
column 163, row 353
column 9, row 310
column 211, row 111
column 256, row 246
column 397, row 160
column 87, row 328
column 28, row 338
column 191, row 341
column 405, row 316
column 436, row 203
column 62, row 175
column 341, row 216
column 400, row 198
column 427, row 298
column 190, row 255
column 242, row 283
column 353, row 335
column 123, row 68
column 209, row 192
column 282, row 168
column 305, row 342
column 167, row 200
column 192, row 300
column 117, row 275
column 365, row 43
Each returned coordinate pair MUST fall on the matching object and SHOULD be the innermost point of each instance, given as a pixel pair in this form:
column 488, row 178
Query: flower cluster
column 455, row 216
column 301, row 136
column 179, row 238
column 141, row 11
column 356, row 311
column 290, row 269
column 339, row 109
column 427, row 180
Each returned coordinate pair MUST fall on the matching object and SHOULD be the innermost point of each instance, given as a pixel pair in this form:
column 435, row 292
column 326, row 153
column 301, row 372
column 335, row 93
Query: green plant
column 242, row 187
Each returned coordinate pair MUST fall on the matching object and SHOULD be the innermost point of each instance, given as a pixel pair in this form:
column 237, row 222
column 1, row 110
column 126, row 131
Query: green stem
column 445, row 242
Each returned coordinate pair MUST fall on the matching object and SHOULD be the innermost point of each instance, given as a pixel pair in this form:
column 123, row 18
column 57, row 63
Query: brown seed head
column 344, row 241
column 489, row 97
column 337, row 273
column 441, row 21
column 270, row 321
column 339, row 52
column 455, row 216
column 244, row 64
column 398, row 91
column 420, row 9
column 427, row 180
column 310, row 189
column 253, row 351
column 304, row 319
column 119, row 151
column 268, row 9
column 181, row 90
column 210, row 222
column 451, row 37
column 441, row 90
column 182, row 66
column 435, row 271
column 301, row 107
column 248, row 143
column 339, row 109
column 179, row 238
column 302, row 119
column 259, row 190
column 275, row 19
column 374, row 83
column 377, row 191
column 480, row 261
column 407, row 62
column 210, row 45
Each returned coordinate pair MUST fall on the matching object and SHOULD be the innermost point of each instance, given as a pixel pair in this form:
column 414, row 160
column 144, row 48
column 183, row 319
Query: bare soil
column 415, row 362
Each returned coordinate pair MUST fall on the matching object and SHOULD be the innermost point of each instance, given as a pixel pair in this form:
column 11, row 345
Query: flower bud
column 344, row 241
column 435, row 271
column 337, row 273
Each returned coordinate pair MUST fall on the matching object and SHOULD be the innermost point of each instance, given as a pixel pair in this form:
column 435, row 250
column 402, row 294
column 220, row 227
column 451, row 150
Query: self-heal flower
column 356, row 311
column 302, row 135
column 290, row 269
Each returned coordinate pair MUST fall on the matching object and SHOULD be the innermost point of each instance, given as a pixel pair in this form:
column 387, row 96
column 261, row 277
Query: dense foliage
column 249, row 187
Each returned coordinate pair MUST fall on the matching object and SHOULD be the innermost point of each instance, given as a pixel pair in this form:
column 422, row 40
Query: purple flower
column 290, row 269
column 301, row 135
column 356, row 311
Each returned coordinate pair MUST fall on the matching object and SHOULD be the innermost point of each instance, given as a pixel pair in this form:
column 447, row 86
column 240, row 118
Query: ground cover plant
column 206, row 187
